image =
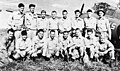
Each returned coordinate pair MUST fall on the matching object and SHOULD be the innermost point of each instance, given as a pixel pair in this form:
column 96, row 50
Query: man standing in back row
column 103, row 25
column 17, row 20
column 90, row 22
column 31, row 21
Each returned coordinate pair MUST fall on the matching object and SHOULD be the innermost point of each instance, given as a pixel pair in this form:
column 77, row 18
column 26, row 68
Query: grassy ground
column 56, row 65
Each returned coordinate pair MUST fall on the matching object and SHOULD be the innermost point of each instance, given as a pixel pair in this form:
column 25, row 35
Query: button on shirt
column 65, row 24
column 90, row 23
column 31, row 20
column 77, row 23
column 102, row 24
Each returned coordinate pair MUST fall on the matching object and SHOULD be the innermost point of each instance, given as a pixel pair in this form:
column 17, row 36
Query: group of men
column 30, row 36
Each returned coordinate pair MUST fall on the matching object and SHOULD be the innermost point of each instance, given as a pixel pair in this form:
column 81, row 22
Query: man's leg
column 92, row 52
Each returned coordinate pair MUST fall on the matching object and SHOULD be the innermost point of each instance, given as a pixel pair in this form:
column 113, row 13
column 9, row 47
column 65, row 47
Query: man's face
column 10, row 35
column 89, row 14
column 64, row 15
column 32, row 9
column 24, row 37
column 65, row 35
column 78, row 33
column 52, row 35
column 40, row 34
column 43, row 15
column 90, row 34
column 53, row 14
column 77, row 14
column 21, row 9
column 101, row 14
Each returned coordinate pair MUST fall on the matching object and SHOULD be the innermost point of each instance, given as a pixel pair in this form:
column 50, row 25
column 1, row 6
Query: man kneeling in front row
column 23, row 46
column 39, row 44
column 105, row 48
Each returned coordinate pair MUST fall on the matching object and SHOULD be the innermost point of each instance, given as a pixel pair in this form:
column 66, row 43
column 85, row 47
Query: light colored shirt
column 79, row 41
column 52, row 44
column 66, row 42
column 103, row 24
column 91, row 42
column 42, row 23
column 53, row 23
column 31, row 20
column 16, row 19
column 78, row 23
column 23, row 45
column 90, row 22
column 37, row 43
column 65, row 24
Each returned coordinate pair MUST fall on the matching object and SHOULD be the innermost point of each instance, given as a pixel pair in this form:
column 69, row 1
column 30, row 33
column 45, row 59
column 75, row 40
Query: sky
column 50, row 5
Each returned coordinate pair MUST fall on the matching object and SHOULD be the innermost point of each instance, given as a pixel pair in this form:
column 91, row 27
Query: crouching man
column 105, row 48
column 39, row 44
column 7, row 46
column 91, row 44
column 52, row 45
column 78, row 49
column 23, row 46
column 65, row 44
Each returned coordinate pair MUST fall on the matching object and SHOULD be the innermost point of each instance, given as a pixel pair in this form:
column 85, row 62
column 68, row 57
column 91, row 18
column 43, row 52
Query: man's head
column 53, row 14
column 40, row 33
column 65, row 34
column 77, row 13
column 43, row 14
column 24, row 34
column 21, row 7
column 89, row 12
column 78, row 32
column 32, row 8
column 102, row 38
column 64, row 13
column 101, row 13
column 52, row 34
column 90, row 33
column 10, row 33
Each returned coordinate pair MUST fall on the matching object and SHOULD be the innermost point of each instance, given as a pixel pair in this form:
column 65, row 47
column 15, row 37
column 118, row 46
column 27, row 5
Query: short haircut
column 21, row 5
column 89, row 10
column 52, row 31
column 90, row 30
column 32, row 5
column 65, row 32
column 40, row 30
column 43, row 11
column 54, row 11
column 76, row 11
column 10, row 30
column 64, row 11
column 24, row 32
